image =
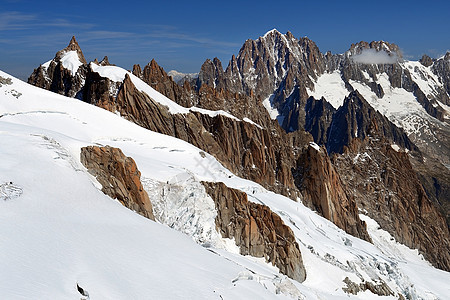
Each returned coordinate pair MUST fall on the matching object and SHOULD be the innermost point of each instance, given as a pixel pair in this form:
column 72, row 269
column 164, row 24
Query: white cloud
column 371, row 56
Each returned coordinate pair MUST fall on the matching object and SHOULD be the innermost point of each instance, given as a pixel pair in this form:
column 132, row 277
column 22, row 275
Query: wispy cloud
column 14, row 20
column 371, row 56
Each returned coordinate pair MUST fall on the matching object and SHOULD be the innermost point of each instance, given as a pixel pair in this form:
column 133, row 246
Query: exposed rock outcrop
column 441, row 67
column 55, row 77
column 380, row 289
column 256, row 230
column 318, row 118
column 284, row 68
column 119, row 177
column 324, row 191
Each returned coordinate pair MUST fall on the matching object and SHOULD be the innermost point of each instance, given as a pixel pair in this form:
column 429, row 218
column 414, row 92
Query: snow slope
column 58, row 230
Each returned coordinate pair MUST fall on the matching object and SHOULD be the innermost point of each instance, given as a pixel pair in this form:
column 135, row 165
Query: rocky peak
column 441, row 67
column 211, row 74
column 426, row 60
column 119, row 177
column 64, row 74
column 378, row 46
column 73, row 46
column 105, row 62
column 156, row 77
column 137, row 71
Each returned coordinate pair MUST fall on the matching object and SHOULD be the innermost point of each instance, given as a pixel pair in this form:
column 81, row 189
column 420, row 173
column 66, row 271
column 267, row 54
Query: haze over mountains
column 318, row 164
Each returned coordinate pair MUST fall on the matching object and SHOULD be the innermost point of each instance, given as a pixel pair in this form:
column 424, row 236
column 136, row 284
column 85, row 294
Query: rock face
column 54, row 76
column 275, row 64
column 381, row 289
column 441, row 67
column 119, row 177
column 387, row 188
column 318, row 118
column 366, row 173
column 324, row 191
column 256, row 230
column 157, row 78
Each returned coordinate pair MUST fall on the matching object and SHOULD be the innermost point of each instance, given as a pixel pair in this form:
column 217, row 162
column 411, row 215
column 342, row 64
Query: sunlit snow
column 331, row 87
column 71, row 61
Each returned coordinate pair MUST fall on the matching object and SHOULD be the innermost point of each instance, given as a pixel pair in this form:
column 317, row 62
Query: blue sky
column 181, row 35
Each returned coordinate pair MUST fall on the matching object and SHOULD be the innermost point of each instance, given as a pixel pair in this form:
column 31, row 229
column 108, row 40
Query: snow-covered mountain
column 61, row 236
column 291, row 75
column 179, row 77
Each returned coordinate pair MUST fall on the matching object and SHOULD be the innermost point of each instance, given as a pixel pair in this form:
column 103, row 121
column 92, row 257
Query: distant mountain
column 181, row 77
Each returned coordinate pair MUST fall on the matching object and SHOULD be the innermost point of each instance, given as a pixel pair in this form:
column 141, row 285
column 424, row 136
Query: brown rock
column 256, row 229
column 324, row 192
column 119, row 177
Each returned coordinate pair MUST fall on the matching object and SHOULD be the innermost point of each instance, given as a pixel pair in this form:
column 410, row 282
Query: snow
column 273, row 112
column 177, row 76
column 46, row 64
column 251, row 122
column 331, row 87
column 423, row 76
column 214, row 113
column 61, row 231
column 314, row 145
column 71, row 62
column 446, row 108
column 270, row 32
column 398, row 105
column 395, row 147
column 55, row 222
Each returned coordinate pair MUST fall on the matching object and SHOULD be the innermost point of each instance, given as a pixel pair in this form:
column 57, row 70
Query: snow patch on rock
column 71, row 61
column 331, row 87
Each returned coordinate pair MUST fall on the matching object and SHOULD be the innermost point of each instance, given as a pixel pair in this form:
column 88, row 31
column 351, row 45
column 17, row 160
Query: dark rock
column 354, row 119
column 57, row 79
column 380, row 289
column 319, row 115
column 426, row 60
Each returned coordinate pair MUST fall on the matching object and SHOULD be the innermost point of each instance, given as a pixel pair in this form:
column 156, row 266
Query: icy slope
column 57, row 229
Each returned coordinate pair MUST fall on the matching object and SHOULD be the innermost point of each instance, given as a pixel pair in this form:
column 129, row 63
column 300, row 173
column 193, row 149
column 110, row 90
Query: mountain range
column 304, row 174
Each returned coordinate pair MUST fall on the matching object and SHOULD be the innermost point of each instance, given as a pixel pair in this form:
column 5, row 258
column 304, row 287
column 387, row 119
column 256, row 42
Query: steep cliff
column 119, row 177
column 256, row 230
